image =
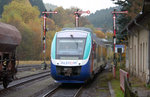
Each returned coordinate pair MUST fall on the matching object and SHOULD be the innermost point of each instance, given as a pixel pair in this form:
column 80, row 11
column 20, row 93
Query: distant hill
column 49, row 6
column 39, row 4
column 102, row 18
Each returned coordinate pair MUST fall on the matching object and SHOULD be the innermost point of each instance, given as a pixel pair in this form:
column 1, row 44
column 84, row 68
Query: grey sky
column 91, row 5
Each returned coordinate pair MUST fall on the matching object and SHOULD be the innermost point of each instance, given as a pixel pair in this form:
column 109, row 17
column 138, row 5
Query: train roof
column 78, row 28
column 98, row 40
column 67, row 32
column 10, row 37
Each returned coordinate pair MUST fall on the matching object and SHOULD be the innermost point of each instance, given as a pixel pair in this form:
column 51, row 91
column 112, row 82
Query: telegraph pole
column 77, row 15
column 114, row 37
column 45, row 13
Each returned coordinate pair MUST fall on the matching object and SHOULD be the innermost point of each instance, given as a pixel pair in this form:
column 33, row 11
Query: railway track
column 65, row 91
column 29, row 76
column 25, row 80
column 29, row 67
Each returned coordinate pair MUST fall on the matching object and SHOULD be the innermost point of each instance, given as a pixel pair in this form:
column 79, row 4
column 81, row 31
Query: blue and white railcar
column 72, row 56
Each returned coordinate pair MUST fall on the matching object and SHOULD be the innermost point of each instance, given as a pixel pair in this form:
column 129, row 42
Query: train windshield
column 70, row 48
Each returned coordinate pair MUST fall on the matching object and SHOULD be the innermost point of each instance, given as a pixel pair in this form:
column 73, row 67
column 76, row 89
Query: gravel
column 99, row 86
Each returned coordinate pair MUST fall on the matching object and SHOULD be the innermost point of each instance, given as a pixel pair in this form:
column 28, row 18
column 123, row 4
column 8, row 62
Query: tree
column 2, row 4
column 39, row 4
column 100, row 34
column 22, row 8
column 60, row 17
column 109, row 36
column 21, row 14
column 132, row 6
column 83, row 21
column 102, row 18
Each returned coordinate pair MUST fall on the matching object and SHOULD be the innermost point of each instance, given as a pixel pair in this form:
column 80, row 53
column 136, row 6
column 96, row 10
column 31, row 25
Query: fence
column 123, row 75
column 125, row 86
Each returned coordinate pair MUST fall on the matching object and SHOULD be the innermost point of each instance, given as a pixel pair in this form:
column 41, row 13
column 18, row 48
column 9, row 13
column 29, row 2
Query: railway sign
column 119, row 49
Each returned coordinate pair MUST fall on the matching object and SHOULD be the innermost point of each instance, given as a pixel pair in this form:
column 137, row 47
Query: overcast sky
column 91, row 5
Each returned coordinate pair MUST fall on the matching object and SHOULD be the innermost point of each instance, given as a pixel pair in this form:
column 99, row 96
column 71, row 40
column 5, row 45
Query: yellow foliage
column 22, row 8
column 100, row 34
column 50, row 24
column 109, row 35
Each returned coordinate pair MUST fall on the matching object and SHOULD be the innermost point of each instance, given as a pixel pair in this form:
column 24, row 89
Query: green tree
column 102, row 18
column 132, row 6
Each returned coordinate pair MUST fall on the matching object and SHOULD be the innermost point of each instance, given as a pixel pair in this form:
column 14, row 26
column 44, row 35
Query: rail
column 25, row 80
column 78, row 92
column 52, row 92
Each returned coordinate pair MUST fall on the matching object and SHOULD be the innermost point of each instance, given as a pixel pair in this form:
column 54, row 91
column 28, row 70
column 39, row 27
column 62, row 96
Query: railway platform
column 140, row 87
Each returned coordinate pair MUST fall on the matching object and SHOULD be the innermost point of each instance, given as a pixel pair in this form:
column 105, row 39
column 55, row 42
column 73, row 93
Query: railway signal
column 77, row 15
column 114, row 37
column 45, row 13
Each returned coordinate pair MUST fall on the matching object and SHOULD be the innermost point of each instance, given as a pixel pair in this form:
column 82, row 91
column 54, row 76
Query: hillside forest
column 26, row 16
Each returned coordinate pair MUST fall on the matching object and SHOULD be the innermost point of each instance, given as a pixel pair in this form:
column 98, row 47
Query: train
column 77, row 54
column 10, row 38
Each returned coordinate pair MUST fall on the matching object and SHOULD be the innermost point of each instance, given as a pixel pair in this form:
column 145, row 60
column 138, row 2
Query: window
column 70, row 48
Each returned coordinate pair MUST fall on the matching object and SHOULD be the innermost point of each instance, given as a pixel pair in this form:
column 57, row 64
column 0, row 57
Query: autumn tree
column 100, row 34
column 2, row 3
column 26, row 18
column 83, row 21
column 39, row 4
column 109, row 36
column 21, row 14
column 60, row 17
column 132, row 6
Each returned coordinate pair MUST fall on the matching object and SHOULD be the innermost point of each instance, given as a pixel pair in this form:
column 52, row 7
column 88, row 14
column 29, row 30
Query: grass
column 32, row 62
column 116, row 86
column 136, row 82
column 115, row 82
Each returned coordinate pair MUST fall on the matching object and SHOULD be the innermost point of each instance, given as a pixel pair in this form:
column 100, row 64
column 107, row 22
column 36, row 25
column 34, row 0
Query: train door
column 92, row 57
column 95, row 56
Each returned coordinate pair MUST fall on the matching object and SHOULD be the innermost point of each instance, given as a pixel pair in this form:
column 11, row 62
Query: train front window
column 70, row 49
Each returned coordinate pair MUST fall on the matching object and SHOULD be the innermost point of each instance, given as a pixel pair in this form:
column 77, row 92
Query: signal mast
column 45, row 13
column 77, row 15
column 114, row 37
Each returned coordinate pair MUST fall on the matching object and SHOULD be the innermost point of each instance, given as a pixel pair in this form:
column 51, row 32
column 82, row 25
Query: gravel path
column 99, row 87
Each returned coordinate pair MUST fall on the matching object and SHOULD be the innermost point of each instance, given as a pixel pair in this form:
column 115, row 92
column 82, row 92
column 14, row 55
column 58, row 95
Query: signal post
column 77, row 15
column 114, row 37
column 45, row 13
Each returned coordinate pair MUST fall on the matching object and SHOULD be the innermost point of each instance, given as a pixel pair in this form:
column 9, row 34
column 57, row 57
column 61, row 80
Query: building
column 138, row 52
